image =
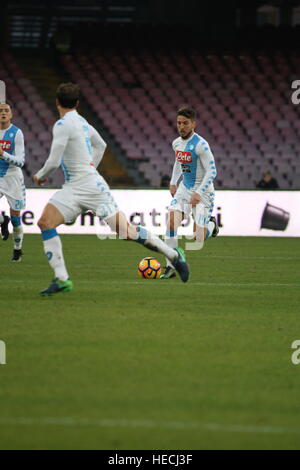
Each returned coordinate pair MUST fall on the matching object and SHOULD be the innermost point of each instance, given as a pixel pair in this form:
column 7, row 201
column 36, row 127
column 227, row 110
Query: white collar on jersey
column 190, row 138
column 5, row 130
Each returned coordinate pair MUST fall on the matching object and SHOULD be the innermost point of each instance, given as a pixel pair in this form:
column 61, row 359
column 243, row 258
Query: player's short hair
column 7, row 103
column 67, row 94
column 188, row 112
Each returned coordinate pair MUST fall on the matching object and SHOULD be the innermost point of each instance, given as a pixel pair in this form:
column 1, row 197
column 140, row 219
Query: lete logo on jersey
column 5, row 144
column 183, row 157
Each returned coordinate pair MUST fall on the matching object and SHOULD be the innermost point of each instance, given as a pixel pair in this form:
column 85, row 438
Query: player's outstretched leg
column 140, row 235
column 4, row 221
column 18, row 238
column 176, row 256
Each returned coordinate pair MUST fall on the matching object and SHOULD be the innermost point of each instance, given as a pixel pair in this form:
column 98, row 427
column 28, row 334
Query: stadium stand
column 243, row 102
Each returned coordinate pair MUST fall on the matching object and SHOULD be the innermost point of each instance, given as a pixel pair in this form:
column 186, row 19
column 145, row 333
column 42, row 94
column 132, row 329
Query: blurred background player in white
column 195, row 162
column 12, row 157
column 78, row 148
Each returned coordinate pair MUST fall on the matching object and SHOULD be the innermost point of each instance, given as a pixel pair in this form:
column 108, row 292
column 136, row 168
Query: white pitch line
column 22, row 421
column 204, row 284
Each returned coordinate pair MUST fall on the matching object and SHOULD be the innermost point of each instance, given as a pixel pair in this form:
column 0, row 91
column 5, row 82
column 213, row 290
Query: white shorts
column 201, row 212
column 13, row 188
column 94, row 194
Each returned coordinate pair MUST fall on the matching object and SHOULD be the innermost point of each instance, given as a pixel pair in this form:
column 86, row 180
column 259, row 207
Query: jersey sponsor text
column 5, row 144
column 183, row 157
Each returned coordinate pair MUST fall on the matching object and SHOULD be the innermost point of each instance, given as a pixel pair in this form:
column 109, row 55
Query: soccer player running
column 12, row 157
column 78, row 148
column 195, row 162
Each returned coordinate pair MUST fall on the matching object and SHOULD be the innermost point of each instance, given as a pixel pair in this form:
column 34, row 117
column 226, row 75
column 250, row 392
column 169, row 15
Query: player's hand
column 195, row 199
column 40, row 182
column 173, row 189
column 1, row 151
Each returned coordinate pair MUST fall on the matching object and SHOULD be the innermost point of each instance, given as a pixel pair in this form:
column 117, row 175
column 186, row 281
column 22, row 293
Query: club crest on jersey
column 183, row 157
column 5, row 144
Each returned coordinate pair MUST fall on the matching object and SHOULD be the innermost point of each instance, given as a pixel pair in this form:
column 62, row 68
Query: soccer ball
column 149, row 268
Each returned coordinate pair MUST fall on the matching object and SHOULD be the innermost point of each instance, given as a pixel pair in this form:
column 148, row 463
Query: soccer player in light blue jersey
column 12, row 157
column 78, row 148
column 195, row 163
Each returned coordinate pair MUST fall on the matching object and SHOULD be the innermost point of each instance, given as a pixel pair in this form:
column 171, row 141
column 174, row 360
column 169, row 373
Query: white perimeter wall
column 239, row 212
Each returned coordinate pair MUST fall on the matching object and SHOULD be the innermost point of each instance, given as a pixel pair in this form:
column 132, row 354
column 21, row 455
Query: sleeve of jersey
column 208, row 162
column 98, row 146
column 176, row 173
column 18, row 158
column 59, row 142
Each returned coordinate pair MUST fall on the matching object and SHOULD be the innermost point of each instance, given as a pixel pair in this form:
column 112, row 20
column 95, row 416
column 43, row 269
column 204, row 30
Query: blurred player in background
column 195, row 162
column 12, row 157
column 78, row 148
column 267, row 181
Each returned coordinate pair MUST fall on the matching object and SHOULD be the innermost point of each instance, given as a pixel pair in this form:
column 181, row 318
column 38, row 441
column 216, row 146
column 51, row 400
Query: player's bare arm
column 39, row 181
column 173, row 189
column 176, row 173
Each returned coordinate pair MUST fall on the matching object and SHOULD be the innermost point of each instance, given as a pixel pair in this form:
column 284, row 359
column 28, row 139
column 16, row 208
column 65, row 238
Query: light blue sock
column 15, row 220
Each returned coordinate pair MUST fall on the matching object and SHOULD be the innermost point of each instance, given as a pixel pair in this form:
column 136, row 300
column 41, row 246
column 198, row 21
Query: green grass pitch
column 126, row 363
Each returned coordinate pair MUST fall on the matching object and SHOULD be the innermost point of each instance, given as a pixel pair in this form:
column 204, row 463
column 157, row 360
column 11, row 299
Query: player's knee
column 44, row 223
column 124, row 230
